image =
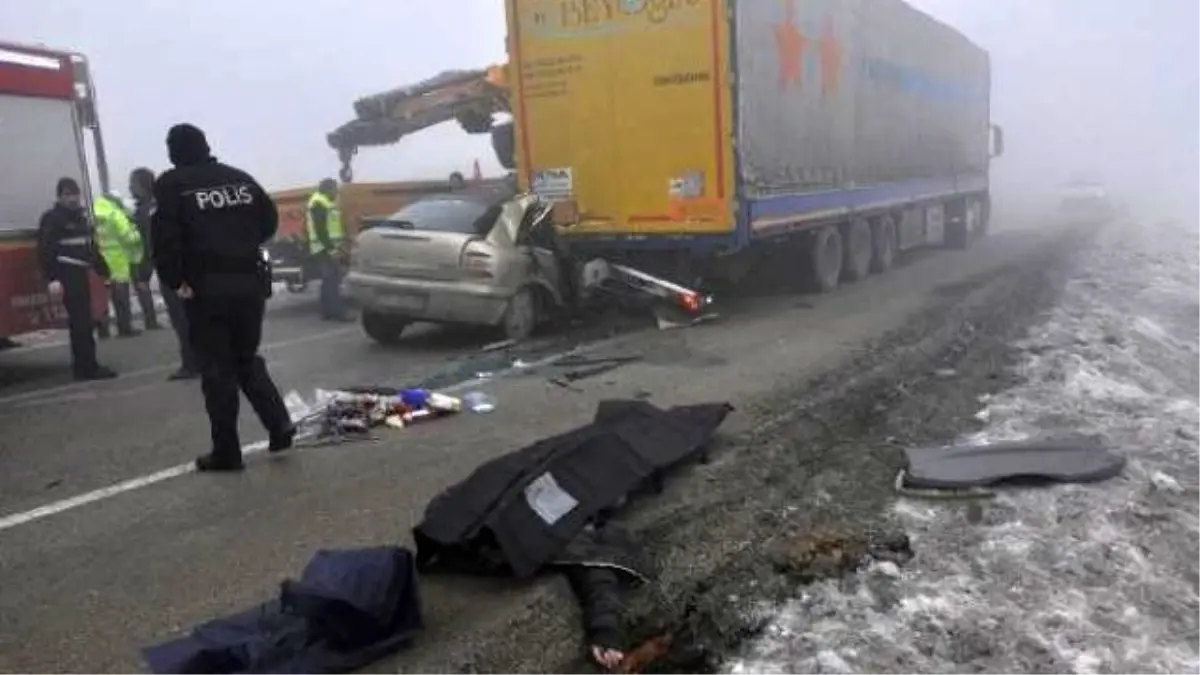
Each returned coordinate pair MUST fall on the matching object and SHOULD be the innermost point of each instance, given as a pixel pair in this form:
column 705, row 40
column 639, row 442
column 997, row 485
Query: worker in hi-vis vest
column 327, row 244
column 121, row 246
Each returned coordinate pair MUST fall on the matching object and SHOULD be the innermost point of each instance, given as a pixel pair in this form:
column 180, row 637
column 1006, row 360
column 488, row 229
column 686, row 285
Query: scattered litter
column 560, row 382
column 975, row 466
column 477, row 401
column 354, row 411
column 483, row 375
column 1165, row 483
column 829, row 554
column 945, row 372
column 496, row 346
column 983, row 415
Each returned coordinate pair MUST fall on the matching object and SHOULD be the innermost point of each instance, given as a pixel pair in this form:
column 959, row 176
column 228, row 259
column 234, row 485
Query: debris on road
column 357, row 410
column 620, row 281
column 349, row 608
column 477, row 401
column 977, row 466
column 496, row 346
column 669, row 319
column 827, row 554
column 585, row 367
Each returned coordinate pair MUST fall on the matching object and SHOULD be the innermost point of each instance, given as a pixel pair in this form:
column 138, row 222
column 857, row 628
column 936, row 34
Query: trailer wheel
column 857, row 244
column 384, row 329
column 825, row 259
column 883, row 244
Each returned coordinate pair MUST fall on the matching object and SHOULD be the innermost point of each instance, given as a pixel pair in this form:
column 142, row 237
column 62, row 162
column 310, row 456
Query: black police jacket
column 65, row 240
column 210, row 222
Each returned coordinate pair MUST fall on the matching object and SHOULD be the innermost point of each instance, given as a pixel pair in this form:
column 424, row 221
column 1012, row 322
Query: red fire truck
column 47, row 109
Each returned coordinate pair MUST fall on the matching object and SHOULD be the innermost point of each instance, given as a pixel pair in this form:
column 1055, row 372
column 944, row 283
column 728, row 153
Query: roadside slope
column 817, row 391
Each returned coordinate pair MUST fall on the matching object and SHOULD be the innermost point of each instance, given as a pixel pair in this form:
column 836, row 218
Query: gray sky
column 1103, row 86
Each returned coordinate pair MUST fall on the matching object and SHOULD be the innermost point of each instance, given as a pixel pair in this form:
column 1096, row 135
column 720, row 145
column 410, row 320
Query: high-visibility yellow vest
column 333, row 222
column 117, row 238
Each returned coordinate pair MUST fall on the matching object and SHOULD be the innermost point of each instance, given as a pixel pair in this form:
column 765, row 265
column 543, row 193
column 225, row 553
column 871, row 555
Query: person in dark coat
column 210, row 223
column 141, row 182
column 66, row 253
column 141, row 186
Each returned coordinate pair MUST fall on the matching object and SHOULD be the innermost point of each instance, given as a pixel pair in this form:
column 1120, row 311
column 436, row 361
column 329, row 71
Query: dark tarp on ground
column 519, row 512
column 544, row 505
column 349, row 608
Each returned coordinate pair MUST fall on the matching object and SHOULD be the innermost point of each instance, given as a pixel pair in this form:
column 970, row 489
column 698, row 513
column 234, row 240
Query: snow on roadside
column 1076, row 578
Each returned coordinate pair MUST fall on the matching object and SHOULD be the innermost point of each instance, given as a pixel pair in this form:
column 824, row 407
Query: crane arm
column 471, row 97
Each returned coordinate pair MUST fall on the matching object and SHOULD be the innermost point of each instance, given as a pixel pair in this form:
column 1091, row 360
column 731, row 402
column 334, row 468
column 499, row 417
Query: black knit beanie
column 186, row 145
column 66, row 185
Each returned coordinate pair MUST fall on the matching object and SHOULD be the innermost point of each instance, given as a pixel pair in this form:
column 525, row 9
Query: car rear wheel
column 386, row 330
column 520, row 318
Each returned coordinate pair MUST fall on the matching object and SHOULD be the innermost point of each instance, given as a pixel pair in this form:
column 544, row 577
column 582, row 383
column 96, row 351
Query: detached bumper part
column 601, row 276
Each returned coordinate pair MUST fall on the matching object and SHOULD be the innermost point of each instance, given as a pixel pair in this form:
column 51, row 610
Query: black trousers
column 225, row 331
column 145, row 296
column 119, row 290
column 332, row 305
column 179, row 322
column 77, row 297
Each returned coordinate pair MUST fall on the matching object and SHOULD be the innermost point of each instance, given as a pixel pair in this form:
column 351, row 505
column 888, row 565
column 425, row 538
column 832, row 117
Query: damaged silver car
column 461, row 258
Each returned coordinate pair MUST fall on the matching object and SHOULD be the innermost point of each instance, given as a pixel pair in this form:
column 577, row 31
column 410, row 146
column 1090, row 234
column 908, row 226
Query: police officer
column 66, row 252
column 121, row 247
column 141, row 186
column 327, row 244
column 209, row 224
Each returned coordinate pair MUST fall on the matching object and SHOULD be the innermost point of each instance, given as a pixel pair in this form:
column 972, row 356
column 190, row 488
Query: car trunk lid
column 398, row 251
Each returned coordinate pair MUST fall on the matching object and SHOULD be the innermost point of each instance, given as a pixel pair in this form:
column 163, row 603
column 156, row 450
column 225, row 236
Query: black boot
column 217, row 463
column 97, row 373
column 282, row 441
column 183, row 374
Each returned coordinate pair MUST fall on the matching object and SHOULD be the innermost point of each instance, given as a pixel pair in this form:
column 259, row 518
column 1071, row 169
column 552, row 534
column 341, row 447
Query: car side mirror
column 997, row 138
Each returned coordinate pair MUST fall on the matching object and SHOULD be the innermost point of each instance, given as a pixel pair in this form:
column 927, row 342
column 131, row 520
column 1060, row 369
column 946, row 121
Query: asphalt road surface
column 109, row 543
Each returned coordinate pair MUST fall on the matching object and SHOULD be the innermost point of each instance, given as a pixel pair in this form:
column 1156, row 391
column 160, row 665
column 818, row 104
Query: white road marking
column 54, row 508
column 49, row 392
column 106, row 492
column 37, row 347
